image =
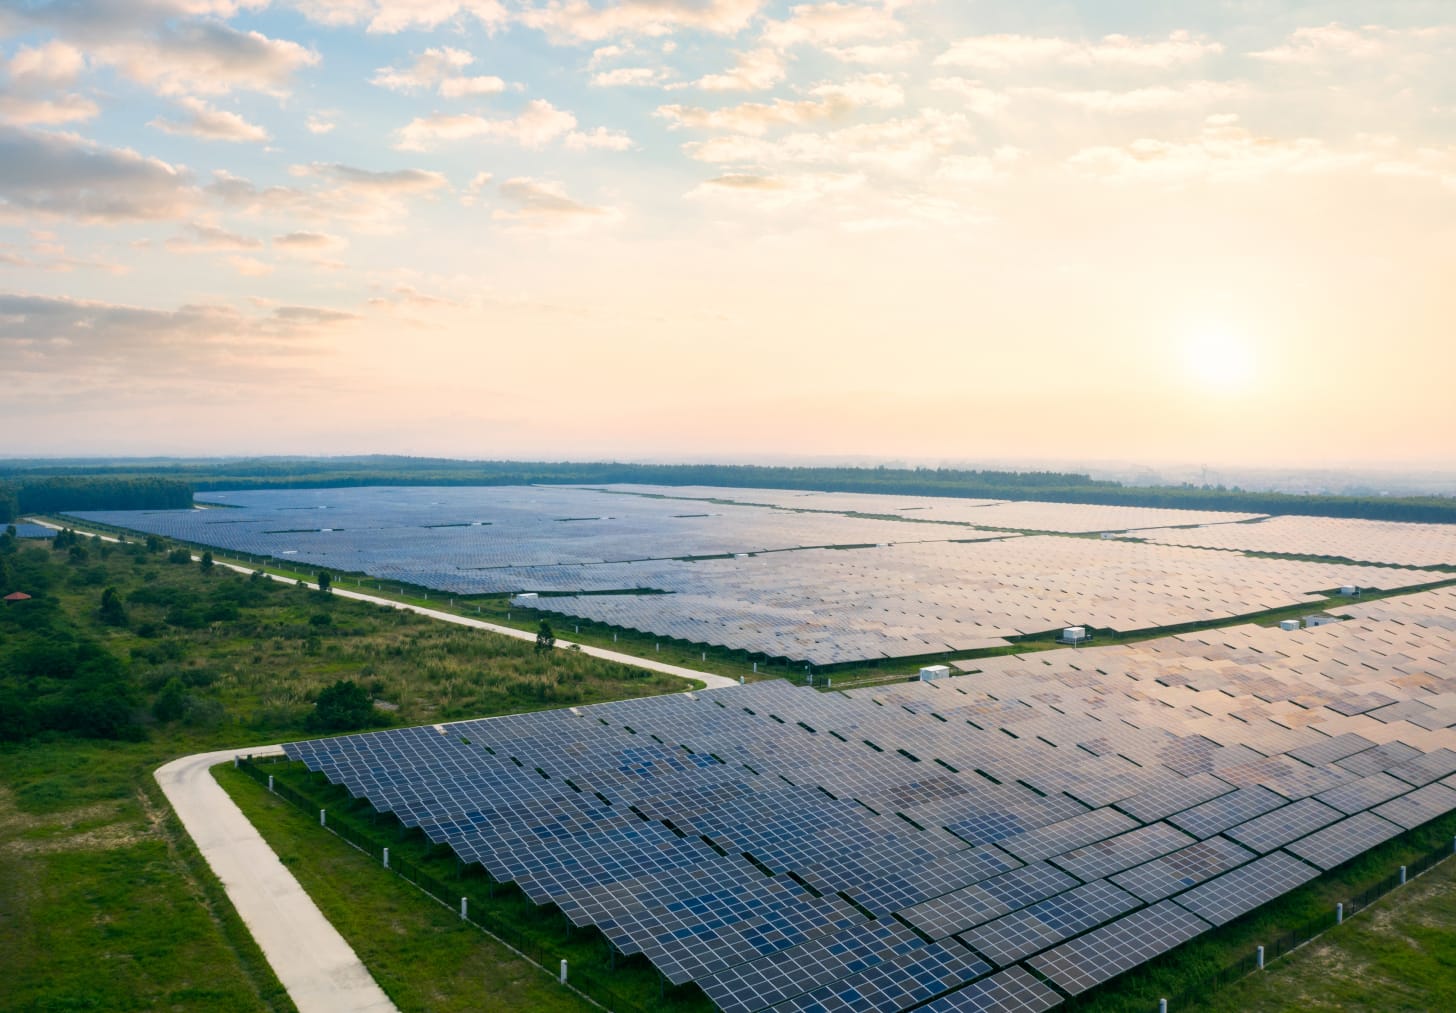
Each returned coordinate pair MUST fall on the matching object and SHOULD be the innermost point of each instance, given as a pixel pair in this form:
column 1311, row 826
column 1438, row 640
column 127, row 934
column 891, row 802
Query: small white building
column 932, row 672
column 1074, row 634
column 1350, row 591
column 1289, row 624
column 1312, row 621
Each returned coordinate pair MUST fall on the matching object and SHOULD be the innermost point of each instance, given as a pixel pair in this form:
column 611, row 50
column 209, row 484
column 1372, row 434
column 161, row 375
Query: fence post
column 464, row 907
column 235, row 763
column 386, row 858
column 1162, row 1006
column 323, row 817
column 563, row 970
column 1402, row 875
column 270, row 782
column 1259, row 955
column 1340, row 913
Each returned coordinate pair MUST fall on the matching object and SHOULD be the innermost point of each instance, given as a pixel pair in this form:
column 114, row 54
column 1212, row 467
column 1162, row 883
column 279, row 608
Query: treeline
column 54, row 494
column 164, row 483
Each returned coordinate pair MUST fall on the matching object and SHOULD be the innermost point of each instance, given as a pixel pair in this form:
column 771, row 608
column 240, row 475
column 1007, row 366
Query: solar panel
column 1370, row 791
column 1013, row 990
column 1227, row 811
column 1106, row 952
column 981, row 902
column 1420, row 806
column 1122, row 852
column 1274, row 829
column 1224, row 898
column 1022, row 933
column 1163, row 877
column 1337, row 844
column 895, row 984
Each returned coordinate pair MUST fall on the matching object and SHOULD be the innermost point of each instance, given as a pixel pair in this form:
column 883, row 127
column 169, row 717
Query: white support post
column 1340, row 913
column 1402, row 875
column 323, row 817
column 270, row 782
column 1162, row 1006
column 235, row 763
column 563, row 971
column 464, row 907
column 386, row 858
column 1260, row 955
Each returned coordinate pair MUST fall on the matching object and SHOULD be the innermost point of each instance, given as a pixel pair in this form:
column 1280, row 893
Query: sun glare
column 1219, row 361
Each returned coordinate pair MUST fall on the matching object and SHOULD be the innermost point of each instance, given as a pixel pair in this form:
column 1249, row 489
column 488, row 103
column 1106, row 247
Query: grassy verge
column 361, row 898
column 420, row 953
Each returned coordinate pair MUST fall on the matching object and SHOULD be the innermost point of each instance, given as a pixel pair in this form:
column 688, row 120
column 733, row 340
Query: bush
column 344, row 706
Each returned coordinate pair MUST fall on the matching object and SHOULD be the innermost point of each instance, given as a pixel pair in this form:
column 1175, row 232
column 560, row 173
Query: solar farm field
column 1005, row 840
column 815, row 578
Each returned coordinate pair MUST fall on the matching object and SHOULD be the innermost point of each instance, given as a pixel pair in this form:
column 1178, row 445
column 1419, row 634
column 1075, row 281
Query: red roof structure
column 17, row 596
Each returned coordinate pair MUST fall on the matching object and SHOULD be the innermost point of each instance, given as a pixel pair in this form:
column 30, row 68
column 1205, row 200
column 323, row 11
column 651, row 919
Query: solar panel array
column 757, row 576
column 1000, row 840
column 1338, row 537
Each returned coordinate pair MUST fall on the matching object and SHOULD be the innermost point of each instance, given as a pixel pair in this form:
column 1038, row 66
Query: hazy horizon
column 710, row 230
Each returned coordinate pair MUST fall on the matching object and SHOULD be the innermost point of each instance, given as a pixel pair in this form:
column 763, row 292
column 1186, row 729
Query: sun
column 1219, row 360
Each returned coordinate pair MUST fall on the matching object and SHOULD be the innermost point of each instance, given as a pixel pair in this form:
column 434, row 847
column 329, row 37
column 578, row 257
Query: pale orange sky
column 907, row 229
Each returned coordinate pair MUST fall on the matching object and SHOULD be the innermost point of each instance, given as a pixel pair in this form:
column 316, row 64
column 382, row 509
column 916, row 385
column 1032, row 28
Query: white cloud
column 829, row 24
column 250, row 267
column 876, row 54
column 309, row 244
column 66, row 108
column 629, row 77
column 1224, row 151
column 1141, row 100
column 317, row 124
column 755, row 70
column 439, row 69
column 368, row 200
column 52, row 65
column 975, row 96
column 58, row 174
column 209, row 124
column 1004, row 52
column 831, row 101
column 904, row 145
column 478, row 183
column 391, row 16
column 206, row 58
column 197, row 237
column 536, row 126
column 1337, row 42
column 601, row 138
column 545, row 205
column 578, row 20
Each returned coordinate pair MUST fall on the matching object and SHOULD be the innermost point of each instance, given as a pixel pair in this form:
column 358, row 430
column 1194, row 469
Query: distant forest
column 35, row 486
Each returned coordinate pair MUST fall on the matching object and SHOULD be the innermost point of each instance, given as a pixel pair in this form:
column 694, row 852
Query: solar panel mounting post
column 464, row 908
column 323, row 817
column 563, row 970
column 1340, row 913
column 1259, row 957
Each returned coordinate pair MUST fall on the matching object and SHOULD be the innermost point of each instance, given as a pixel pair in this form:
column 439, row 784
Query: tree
column 206, row 561
column 171, row 702
column 545, row 638
column 113, row 612
column 342, row 707
column 325, row 582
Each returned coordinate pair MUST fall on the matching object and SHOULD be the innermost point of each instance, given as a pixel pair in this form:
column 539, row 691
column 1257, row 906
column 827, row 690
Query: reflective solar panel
column 1022, row 933
column 1013, row 990
column 1342, row 841
column 1106, row 952
column 1224, row 898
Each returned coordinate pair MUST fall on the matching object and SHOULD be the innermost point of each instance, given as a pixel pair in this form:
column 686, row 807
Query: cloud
column 876, row 54
column 318, row 124
column 472, row 193
column 210, row 124
column 439, row 69
column 67, row 108
column 1223, row 152
column 1005, row 52
column 538, row 124
column 975, row 96
column 1141, row 100
column 250, row 267
column 578, row 20
column 599, row 139
column 755, row 70
column 1336, row 42
column 762, row 192
column 390, row 16
column 197, row 237
column 310, row 245
column 34, row 76
column 62, row 175
column 629, row 77
column 52, row 65
column 903, row 145
column 206, row 58
column 103, row 344
column 545, row 205
column 368, row 200
column 826, row 24
column 831, row 101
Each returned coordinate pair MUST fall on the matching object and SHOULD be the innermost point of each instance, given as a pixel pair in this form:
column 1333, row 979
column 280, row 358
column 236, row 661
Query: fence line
column 600, row 995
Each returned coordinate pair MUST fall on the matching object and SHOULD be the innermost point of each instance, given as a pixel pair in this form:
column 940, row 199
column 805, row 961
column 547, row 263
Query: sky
column 923, row 230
